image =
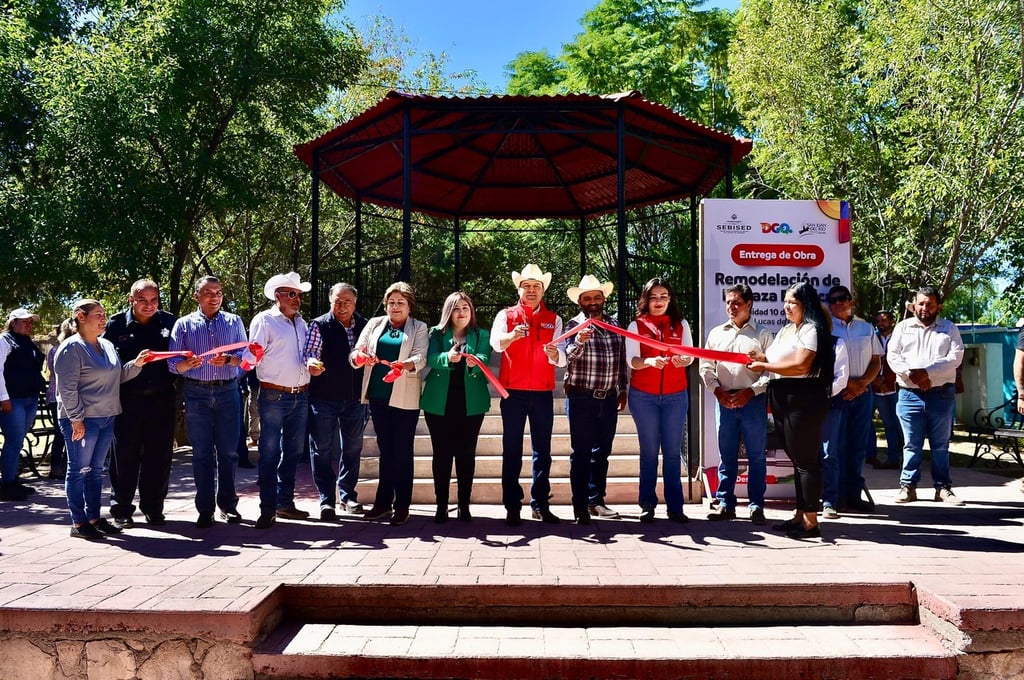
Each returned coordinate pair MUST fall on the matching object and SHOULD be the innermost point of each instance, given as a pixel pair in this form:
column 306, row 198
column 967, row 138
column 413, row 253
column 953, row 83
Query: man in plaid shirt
column 595, row 390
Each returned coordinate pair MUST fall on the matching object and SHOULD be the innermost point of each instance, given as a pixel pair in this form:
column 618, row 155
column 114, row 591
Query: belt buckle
column 294, row 390
column 600, row 394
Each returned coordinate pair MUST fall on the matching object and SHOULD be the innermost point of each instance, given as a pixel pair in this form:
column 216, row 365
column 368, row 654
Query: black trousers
column 141, row 460
column 453, row 437
column 799, row 406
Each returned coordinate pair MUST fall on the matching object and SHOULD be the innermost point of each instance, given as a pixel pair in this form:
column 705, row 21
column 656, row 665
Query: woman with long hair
column 801, row 360
column 89, row 377
column 455, row 399
column 658, row 400
column 401, row 341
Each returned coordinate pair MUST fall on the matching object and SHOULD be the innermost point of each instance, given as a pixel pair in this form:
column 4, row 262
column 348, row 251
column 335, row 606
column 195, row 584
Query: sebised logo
column 775, row 228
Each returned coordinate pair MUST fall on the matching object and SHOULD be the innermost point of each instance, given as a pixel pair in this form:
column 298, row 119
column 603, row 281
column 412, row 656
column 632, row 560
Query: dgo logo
column 776, row 228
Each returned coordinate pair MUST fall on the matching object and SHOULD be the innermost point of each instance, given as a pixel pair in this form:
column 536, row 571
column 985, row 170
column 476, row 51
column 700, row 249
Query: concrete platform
column 181, row 602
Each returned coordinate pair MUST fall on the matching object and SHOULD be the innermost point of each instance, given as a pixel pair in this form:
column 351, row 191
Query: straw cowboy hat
column 290, row 280
column 589, row 282
column 532, row 272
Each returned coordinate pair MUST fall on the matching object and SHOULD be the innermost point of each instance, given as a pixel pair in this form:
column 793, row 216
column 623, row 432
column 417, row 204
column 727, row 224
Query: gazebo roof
column 521, row 156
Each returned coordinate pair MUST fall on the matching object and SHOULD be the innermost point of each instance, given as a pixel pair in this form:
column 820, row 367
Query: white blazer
column 405, row 391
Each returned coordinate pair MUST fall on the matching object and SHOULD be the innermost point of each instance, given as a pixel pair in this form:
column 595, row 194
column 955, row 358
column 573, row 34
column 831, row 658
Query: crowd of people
column 317, row 383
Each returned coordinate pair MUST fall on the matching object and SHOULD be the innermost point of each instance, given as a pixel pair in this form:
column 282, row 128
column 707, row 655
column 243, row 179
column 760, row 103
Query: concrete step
column 490, row 466
column 565, row 631
column 620, row 491
column 490, row 445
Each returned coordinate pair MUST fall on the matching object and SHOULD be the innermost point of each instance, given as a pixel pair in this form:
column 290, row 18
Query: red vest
column 524, row 366
column 650, row 380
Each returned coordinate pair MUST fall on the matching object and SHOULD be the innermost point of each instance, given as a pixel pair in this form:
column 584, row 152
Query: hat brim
column 575, row 292
column 273, row 286
column 544, row 279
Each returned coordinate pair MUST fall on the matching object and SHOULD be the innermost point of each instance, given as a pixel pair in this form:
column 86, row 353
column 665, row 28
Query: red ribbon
column 160, row 356
column 699, row 352
column 251, row 358
column 491, row 378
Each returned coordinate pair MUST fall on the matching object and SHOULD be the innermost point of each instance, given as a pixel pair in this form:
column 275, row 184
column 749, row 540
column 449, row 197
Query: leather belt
column 281, row 388
column 210, row 383
column 574, row 391
column 928, row 391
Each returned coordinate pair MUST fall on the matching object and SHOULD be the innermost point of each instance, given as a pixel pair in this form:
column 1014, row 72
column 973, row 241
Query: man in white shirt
column 284, row 397
column 924, row 353
column 741, row 408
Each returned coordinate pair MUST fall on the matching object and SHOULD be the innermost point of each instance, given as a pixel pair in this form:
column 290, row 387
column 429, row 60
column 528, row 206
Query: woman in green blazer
column 455, row 398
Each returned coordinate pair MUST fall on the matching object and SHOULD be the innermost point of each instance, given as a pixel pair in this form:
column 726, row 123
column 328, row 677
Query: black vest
column 23, row 373
column 339, row 381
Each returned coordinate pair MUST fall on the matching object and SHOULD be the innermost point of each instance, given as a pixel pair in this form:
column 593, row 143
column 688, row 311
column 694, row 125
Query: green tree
column 533, row 73
column 909, row 109
column 172, row 119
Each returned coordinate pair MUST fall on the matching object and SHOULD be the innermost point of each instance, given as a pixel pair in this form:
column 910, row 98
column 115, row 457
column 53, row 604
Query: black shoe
column 124, row 522
column 545, row 515
column 441, row 514
column 582, row 518
column 12, row 492
column 788, row 525
column 106, row 527
column 88, row 532
column 156, row 520
column 801, row 532
column 757, row 517
column 646, row 515
column 464, row 514
column 231, row 516
column 512, row 517
column 265, row 521
column 25, row 489
column 400, row 517
column 327, row 514
column 722, row 515
column 292, row 513
column 859, row 505
column 678, row 517
column 205, row 520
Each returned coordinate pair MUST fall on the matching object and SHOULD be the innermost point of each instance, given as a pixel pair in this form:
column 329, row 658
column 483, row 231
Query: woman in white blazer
column 394, row 348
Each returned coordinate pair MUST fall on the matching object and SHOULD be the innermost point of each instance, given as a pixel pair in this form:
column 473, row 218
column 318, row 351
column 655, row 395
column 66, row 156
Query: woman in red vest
column 658, row 400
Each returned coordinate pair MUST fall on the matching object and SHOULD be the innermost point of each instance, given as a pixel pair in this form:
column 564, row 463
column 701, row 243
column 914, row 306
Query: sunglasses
column 839, row 298
column 290, row 294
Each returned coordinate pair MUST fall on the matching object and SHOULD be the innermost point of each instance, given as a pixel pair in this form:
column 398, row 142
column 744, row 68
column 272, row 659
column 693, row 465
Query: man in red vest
column 523, row 334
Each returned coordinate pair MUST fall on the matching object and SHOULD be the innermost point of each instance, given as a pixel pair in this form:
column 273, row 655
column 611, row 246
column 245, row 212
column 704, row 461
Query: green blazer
column 435, row 388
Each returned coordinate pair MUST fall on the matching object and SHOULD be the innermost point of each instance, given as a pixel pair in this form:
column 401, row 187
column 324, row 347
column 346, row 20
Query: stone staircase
column 623, row 465
column 656, row 631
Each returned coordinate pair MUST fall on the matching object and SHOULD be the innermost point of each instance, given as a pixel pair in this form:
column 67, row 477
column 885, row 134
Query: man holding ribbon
column 284, row 400
column 595, row 391
column 212, row 399
column 144, row 430
column 524, row 335
column 741, row 405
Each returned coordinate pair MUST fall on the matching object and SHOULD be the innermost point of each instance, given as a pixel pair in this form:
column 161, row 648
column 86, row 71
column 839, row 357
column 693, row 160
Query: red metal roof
column 521, row 157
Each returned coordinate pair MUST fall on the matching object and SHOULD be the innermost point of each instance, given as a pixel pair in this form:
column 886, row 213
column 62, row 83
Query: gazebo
column 517, row 157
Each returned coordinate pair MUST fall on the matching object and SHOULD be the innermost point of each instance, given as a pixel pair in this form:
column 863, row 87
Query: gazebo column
column 583, row 247
column 457, row 228
column 620, row 212
column 359, row 245
column 314, row 270
column 406, row 272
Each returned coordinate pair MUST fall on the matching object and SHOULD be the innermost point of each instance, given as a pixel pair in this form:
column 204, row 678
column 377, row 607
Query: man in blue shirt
column 212, row 399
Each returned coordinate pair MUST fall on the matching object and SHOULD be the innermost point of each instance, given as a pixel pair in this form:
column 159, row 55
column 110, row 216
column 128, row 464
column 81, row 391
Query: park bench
column 997, row 433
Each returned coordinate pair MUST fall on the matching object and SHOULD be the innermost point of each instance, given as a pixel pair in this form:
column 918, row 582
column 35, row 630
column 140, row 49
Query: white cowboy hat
column 22, row 313
column 589, row 282
column 290, row 280
column 531, row 272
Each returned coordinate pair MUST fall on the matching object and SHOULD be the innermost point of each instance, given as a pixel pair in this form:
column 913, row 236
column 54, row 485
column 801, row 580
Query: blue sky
column 483, row 34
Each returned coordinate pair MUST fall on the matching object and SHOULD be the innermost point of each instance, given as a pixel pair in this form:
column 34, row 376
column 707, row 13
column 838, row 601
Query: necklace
column 392, row 331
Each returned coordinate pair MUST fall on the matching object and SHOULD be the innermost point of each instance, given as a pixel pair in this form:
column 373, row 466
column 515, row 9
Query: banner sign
column 770, row 246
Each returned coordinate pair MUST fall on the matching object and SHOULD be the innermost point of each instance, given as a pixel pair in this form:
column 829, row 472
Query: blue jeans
column 283, row 420
column 396, row 437
column 15, row 425
column 930, row 414
column 336, row 434
column 211, row 416
column 886, row 405
column 592, row 425
column 844, row 443
column 660, row 420
column 749, row 423
column 84, row 483
column 539, row 408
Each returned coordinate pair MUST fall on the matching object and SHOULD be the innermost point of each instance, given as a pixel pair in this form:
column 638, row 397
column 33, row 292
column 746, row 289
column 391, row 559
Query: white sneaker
column 352, row 508
column 945, row 495
column 603, row 511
